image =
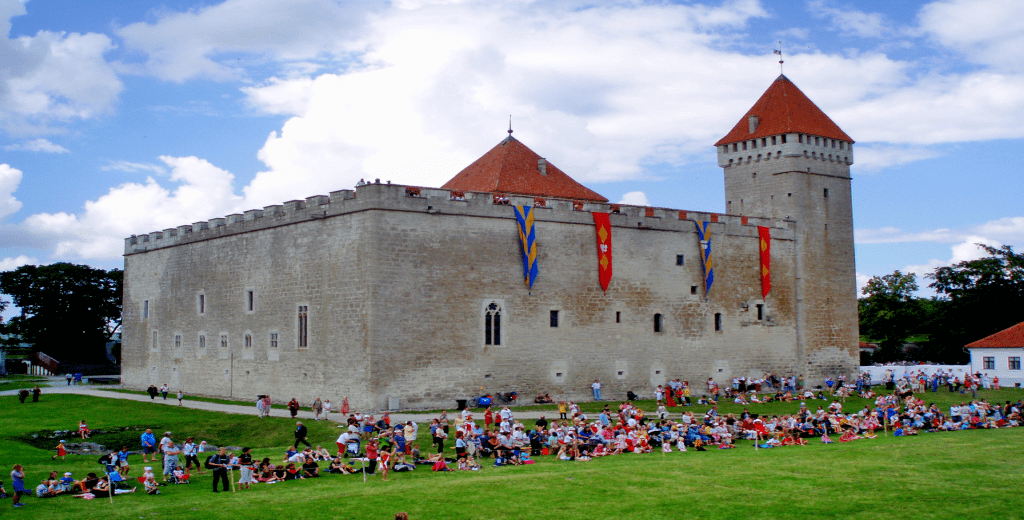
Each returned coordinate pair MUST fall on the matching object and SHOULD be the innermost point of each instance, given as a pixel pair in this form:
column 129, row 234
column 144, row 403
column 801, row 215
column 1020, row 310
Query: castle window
column 657, row 324
column 273, row 340
column 250, row 300
column 223, row 341
column 1013, row 363
column 725, row 149
column 734, row 147
column 145, row 309
column 492, row 324
column 680, row 259
column 826, row 193
column 764, row 142
column 744, row 145
column 760, row 311
column 303, row 326
column 554, row 319
column 990, row 362
column 753, row 143
column 718, row 322
column 248, row 341
column 817, row 141
column 155, row 345
column 693, row 289
column 773, row 140
column 202, row 341
column 177, row 341
column 618, row 316
column 801, row 138
column 783, row 138
column 202, row 303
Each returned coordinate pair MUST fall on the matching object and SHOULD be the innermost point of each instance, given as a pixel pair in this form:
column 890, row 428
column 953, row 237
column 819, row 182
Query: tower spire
column 777, row 51
column 510, row 125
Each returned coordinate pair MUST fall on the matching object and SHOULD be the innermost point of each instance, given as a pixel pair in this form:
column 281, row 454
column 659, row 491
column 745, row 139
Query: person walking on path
column 219, row 463
column 152, row 391
column 163, row 391
column 318, row 408
column 300, row 435
column 596, row 387
column 293, row 407
column 69, row 377
column 344, row 406
column 181, row 395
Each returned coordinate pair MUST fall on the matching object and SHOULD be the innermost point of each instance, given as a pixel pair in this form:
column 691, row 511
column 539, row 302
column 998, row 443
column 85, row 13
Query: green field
column 969, row 474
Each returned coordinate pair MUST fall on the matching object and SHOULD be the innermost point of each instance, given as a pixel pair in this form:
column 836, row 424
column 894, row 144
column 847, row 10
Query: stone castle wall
column 396, row 280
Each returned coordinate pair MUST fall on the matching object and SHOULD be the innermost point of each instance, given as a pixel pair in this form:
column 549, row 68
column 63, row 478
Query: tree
column 982, row 296
column 890, row 313
column 68, row 311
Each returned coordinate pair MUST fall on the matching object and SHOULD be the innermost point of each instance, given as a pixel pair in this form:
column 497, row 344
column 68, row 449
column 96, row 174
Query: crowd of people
column 369, row 444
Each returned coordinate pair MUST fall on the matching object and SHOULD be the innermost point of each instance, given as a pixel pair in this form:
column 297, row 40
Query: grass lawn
column 969, row 474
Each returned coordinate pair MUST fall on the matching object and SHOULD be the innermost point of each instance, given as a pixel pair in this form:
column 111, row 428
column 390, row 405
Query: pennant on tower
column 704, row 235
column 528, row 239
column 604, row 248
column 765, row 235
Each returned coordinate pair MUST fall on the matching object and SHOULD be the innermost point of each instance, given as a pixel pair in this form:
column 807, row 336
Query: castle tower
column 786, row 159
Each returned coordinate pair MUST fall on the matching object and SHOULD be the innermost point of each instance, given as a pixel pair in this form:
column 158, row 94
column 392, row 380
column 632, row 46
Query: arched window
column 492, row 324
column 657, row 324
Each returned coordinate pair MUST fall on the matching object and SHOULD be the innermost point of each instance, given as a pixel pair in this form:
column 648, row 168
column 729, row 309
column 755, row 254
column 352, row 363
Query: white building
column 999, row 355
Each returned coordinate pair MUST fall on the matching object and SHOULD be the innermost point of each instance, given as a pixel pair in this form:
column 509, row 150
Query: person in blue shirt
column 148, row 445
column 18, row 483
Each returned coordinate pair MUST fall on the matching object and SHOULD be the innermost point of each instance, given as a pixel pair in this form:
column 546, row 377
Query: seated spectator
column 310, row 469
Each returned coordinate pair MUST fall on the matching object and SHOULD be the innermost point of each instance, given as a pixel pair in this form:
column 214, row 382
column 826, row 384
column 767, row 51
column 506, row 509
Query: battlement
column 436, row 201
column 784, row 146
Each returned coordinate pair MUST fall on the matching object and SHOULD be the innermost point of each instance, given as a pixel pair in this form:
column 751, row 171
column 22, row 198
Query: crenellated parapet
column 436, row 201
column 785, row 146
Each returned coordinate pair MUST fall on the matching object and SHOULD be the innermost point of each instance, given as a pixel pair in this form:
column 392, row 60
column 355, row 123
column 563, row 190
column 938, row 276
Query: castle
column 402, row 296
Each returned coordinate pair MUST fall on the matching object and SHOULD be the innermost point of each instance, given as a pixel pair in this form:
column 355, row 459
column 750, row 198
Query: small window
column 817, row 141
column 155, row 344
column 734, row 147
column 223, row 341
column 679, row 259
column 753, row 144
column 800, row 137
column 826, row 193
column 764, row 142
column 248, row 341
column 718, row 322
column 202, row 303
column 693, row 289
column 618, row 316
column 202, row 341
column 250, row 300
column 620, row 372
column 657, row 324
column 1014, row 363
column 990, row 362
column 145, row 309
column 760, row 311
column 492, row 324
column 554, row 319
column 773, row 140
column 273, row 340
column 177, row 341
column 303, row 326
column 783, row 138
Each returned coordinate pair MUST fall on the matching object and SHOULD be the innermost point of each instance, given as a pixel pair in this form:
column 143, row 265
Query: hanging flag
column 604, row 249
column 528, row 238
column 704, row 235
column 766, row 260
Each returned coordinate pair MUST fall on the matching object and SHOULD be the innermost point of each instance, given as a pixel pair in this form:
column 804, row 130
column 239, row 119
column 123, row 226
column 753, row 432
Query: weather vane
column 510, row 125
column 777, row 51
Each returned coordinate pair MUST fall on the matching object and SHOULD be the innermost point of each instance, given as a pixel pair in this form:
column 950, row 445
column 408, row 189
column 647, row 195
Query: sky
column 121, row 118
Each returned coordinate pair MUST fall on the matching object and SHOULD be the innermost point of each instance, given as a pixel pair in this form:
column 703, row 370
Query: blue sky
column 120, row 118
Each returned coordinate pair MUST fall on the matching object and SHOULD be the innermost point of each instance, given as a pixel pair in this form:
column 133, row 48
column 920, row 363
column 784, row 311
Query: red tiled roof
column 1012, row 337
column 784, row 109
column 512, row 168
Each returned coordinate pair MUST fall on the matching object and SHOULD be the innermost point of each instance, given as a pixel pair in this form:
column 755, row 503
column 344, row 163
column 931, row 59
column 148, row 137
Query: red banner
column 604, row 248
column 766, row 259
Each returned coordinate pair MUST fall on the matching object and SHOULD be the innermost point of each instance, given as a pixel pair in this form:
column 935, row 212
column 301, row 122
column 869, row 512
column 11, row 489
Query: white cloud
column 9, row 180
column 1008, row 230
column 962, row 252
column 10, row 264
column 635, row 198
column 986, row 31
column 874, row 157
column 862, row 280
column 52, row 77
column 852, row 21
column 131, row 167
column 37, row 145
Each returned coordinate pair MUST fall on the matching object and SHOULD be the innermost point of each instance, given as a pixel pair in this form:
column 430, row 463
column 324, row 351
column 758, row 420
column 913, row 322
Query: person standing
column 318, row 408
column 259, row 407
column 148, row 445
column 266, row 406
column 191, row 452
column 300, row 434
column 18, row 483
column 69, row 377
column 122, row 461
column 327, row 408
column 35, row 394
column 163, row 391
column 245, row 463
column 170, row 452
column 293, row 407
column 344, row 405
column 219, row 462
column 181, row 395
column 596, row 387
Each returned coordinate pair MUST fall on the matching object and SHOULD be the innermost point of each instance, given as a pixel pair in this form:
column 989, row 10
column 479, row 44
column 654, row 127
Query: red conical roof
column 512, row 168
column 1012, row 337
column 784, row 109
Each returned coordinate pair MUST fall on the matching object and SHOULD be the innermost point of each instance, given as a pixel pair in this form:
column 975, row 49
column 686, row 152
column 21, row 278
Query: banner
column 528, row 239
column 766, row 260
column 604, row 249
column 704, row 235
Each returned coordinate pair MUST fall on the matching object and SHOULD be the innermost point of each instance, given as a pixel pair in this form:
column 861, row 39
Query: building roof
column 512, row 168
column 784, row 109
column 1012, row 337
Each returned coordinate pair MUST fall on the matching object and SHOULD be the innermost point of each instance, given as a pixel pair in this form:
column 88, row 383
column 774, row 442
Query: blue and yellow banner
column 704, row 235
column 528, row 238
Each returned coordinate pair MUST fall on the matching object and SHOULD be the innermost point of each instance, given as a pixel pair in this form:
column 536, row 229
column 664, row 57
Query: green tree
column 890, row 313
column 68, row 311
column 982, row 297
